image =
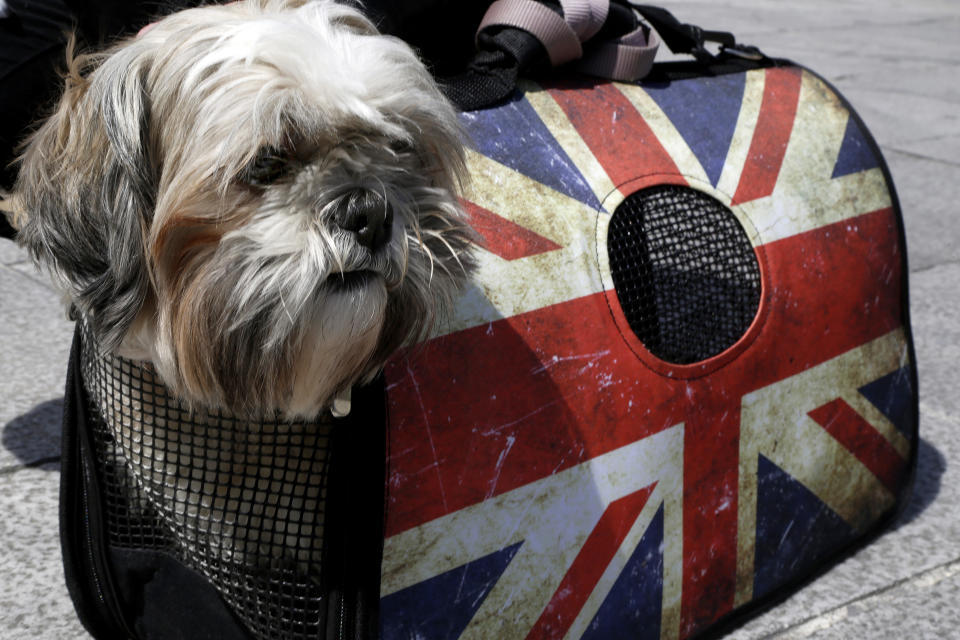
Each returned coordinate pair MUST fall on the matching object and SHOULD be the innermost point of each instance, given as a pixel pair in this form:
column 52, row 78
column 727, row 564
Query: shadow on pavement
column 931, row 464
column 34, row 437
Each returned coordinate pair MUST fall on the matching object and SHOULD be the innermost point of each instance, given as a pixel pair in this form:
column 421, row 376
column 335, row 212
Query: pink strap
column 627, row 58
column 557, row 37
column 586, row 17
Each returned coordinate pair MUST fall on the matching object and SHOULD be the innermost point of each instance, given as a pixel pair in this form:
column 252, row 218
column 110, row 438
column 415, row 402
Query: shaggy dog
column 258, row 199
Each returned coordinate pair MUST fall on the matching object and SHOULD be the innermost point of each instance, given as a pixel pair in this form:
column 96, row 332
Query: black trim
column 88, row 578
column 167, row 601
column 353, row 531
column 663, row 72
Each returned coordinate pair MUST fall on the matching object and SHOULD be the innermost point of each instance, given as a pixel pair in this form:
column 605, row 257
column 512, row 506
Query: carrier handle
column 518, row 35
column 627, row 57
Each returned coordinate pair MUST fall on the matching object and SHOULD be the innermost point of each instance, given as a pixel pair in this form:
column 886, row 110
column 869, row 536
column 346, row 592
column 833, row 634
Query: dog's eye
column 401, row 146
column 269, row 165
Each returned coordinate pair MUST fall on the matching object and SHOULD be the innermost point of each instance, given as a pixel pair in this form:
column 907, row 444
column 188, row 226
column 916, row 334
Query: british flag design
column 548, row 477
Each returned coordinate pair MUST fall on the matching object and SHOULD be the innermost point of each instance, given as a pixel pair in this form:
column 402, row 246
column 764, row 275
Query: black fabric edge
column 723, row 65
column 353, row 546
column 354, row 521
column 166, row 600
column 89, row 587
column 765, row 603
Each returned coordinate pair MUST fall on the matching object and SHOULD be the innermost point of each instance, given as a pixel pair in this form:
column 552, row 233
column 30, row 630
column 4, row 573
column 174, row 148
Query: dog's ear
column 86, row 189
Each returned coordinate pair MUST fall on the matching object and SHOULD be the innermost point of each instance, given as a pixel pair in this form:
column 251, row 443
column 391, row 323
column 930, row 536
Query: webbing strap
column 586, row 17
column 628, row 57
column 551, row 29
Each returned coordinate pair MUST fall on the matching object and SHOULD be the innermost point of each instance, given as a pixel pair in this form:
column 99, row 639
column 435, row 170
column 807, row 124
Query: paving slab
column 11, row 254
column 929, row 191
column 35, row 335
column 34, row 603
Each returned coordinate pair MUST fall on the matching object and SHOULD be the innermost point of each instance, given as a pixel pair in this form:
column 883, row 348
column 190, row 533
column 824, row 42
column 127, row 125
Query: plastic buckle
column 745, row 51
column 726, row 41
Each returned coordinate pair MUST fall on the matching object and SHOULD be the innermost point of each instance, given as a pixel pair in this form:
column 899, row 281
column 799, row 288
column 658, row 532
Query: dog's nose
column 367, row 215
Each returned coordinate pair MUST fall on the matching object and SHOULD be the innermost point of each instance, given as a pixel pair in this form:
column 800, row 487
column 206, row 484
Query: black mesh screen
column 242, row 502
column 684, row 272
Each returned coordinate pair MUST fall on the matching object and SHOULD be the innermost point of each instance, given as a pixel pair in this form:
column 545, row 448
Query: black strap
column 688, row 38
column 491, row 76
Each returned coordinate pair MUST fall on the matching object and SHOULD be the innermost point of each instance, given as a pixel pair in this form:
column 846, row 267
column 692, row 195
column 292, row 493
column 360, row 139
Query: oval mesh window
column 684, row 272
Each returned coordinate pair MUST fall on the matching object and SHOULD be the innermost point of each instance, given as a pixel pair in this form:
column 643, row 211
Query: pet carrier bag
column 681, row 383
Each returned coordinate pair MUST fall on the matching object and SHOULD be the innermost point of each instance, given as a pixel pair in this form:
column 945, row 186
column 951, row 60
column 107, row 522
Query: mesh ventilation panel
column 684, row 272
column 239, row 501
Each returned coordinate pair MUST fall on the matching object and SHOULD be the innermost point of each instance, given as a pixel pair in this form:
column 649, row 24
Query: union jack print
column 550, row 478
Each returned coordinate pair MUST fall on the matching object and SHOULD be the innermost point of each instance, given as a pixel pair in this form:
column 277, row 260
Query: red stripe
column 588, row 567
column 841, row 421
column 778, row 110
column 505, row 238
column 615, row 131
column 710, row 479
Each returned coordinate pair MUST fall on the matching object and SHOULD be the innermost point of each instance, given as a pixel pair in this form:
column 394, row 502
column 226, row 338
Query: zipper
column 85, row 503
column 110, row 606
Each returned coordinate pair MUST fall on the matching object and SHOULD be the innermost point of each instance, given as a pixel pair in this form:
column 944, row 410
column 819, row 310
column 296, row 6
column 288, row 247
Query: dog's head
column 259, row 198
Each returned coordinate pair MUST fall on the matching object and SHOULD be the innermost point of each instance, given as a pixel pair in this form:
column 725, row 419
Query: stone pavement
column 897, row 63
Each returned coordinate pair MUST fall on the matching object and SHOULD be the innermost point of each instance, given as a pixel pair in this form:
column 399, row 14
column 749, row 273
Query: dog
column 258, row 199
column 250, row 207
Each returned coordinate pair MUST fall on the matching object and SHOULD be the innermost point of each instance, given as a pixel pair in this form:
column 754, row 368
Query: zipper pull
column 340, row 408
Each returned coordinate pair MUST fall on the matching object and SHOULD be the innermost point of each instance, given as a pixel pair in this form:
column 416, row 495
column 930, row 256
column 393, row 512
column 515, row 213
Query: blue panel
column 440, row 608
column 632, row 608
column 705, row 112
column 514, row 135
column 893, row 396
column 795, row 530
column 855, row 153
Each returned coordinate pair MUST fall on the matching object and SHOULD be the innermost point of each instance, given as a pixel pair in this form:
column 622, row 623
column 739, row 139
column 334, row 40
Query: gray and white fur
column 259, row 199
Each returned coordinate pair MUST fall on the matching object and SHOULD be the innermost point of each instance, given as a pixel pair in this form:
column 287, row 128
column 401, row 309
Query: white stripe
column 805, row 196
column 879, row 421
column 815, row 139
column 569, row 139
column 526, row 202
column 788, row 213
column 673, row 143
column 506, row 288
column 742, row 134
